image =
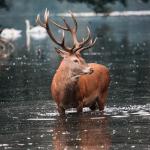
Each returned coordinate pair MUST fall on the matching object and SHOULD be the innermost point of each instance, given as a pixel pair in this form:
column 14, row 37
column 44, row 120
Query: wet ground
column 28, row 115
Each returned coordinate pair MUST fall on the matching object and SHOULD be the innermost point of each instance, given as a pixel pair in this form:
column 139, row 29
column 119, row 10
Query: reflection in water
column 84, row 133
column 35, row 32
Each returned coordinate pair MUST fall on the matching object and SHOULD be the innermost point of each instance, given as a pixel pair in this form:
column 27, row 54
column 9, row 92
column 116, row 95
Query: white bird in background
column 10, row 34
column 36, row 32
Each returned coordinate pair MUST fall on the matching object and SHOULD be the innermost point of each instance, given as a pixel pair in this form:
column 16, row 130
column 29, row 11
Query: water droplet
column 102, row 48
column 122, row 46
column 116, row 82
column 134, row 61
column 133, row 146
column 114, row 131
column 42, row 136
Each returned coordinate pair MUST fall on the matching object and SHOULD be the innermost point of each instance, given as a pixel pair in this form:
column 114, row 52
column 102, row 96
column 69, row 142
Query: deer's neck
column 66, row 81
column 66, row 76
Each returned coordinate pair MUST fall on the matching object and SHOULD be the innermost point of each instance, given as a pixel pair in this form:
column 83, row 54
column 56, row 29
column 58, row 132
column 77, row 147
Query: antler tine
column 74, row 20
column 63, row 42
column 91, row 44
column 38, row 21
column 46, row 26
column 85, row 41
column 58, row 25
column 46, row 15
column 63, row 37
column 52, row 21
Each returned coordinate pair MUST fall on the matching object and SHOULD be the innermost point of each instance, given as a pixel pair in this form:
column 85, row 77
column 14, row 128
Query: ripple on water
column 123, row 112
column 114, row 112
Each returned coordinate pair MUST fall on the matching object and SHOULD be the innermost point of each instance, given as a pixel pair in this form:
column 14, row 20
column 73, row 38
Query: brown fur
column 87, row 90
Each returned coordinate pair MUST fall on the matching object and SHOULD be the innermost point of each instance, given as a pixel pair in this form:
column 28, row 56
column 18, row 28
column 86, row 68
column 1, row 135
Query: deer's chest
column 69, row 97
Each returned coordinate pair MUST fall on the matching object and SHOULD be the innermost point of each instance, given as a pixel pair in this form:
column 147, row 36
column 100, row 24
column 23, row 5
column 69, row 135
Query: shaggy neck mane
column 67, row 82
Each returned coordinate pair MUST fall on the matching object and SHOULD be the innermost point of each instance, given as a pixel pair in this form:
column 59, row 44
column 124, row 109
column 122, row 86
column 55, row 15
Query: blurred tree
column 145, row 1
column 3, row 4
column 101, row 5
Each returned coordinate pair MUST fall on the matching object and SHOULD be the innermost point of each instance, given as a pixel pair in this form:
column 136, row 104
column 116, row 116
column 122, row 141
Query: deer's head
column 72, row 58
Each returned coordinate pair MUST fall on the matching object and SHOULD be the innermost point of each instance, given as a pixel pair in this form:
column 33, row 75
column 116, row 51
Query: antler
column 46, row 26
column 77, row 46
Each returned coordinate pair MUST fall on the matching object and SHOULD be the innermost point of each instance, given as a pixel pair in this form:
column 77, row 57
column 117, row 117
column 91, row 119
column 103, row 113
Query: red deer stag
column 76, row 84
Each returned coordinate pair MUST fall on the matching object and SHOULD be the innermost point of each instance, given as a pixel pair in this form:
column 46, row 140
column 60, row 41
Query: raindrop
column 102, row 146
column 122, row 46
column 144, row 44
column 3, row 145
column 18, row 58
column 42, row 136
column 116, row 82
column 114, row 131
column 85, row 130
column 50, row 131
column 20, row 144
column 134, row 61
column 7, row 68
column 109, row 39
column 78, row 139
column 133, row 146
column 137, row 44
column 139, row 82
column 24, row 56
column 66, row 132
column 102, row 48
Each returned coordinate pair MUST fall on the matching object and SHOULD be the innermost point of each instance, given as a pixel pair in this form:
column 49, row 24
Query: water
column 36, row 125
column 28, row 115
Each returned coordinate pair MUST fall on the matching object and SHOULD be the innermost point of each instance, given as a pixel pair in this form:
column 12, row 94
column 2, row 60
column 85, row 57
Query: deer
column 76, row 84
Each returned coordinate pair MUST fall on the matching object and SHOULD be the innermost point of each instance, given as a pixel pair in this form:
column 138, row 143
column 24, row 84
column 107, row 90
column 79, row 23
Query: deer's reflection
column 82, row 132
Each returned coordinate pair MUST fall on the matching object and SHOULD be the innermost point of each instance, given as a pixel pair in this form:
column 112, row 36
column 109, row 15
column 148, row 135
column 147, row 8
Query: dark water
column 28, row 115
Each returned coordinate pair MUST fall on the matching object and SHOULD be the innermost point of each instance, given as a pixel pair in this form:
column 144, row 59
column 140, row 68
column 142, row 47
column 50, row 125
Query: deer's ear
column 62, row 53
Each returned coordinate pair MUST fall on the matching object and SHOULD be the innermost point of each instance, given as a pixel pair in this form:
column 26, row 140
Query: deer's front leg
column 61, row 111
column 80, row 107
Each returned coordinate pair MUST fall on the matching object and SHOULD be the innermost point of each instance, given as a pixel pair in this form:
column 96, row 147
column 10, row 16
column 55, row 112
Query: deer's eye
column 76, row 61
